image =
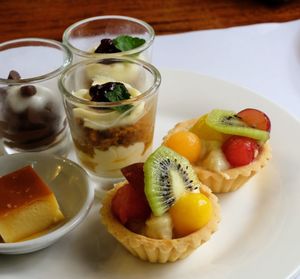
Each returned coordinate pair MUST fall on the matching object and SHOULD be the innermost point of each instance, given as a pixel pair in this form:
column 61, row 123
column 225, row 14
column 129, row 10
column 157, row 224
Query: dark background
column 49, row 18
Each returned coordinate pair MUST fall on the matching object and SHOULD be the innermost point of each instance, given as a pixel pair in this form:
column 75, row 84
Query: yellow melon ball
column 203, row 131
column 186, row 144
column 190, row 213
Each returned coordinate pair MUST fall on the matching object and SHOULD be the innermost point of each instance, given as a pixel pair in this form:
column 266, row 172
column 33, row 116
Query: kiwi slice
column 167, row 176
column 228, row 122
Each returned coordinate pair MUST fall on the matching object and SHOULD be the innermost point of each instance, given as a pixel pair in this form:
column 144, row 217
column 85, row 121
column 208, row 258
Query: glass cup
column 32, row 116
column 84, row 37
column 109, row 135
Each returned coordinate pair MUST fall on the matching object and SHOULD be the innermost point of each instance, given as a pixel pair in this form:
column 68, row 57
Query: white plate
column 260, row 229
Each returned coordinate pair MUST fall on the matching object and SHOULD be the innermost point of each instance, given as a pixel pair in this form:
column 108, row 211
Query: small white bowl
column 70, row 184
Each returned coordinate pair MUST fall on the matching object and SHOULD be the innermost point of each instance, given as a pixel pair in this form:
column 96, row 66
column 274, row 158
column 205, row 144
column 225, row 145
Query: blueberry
column 106, row 46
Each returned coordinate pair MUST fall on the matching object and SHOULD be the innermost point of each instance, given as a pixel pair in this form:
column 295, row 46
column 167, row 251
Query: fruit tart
column 161, row 213
column 225, row 148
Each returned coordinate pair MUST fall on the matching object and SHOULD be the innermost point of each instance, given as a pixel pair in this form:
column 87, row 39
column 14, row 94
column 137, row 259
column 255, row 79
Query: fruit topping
column 190, row 213
column 129, row 203
column 110, row 92
column 203, row 131
column 120, row 43
column 186, row 144
column 159, row 227
column 135, row 176
column 255, row 119
column 107, row 46
column 240, row 151
column 228, row 122
column 167, row 176
column 216, row 161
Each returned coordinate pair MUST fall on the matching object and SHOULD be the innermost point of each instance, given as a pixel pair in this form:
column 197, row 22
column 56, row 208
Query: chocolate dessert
column 30, row 116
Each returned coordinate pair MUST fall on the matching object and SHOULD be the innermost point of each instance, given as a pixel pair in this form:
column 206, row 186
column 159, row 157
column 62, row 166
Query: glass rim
column 82, row 53
column 144, row 95
column 67, row 60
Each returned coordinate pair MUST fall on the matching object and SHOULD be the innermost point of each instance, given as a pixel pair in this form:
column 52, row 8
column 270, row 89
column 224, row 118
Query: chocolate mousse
column 30, row 116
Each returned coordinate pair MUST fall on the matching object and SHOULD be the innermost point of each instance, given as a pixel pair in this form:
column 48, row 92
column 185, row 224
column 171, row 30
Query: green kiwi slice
column 167, row 176
column 228, row 122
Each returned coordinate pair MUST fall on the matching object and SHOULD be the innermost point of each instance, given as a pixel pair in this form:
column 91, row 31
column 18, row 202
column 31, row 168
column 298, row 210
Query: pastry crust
column 158, row 250
column 231, row 179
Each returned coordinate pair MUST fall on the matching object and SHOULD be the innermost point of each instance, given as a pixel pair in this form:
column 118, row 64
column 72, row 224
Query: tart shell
column 231, row 179
column 158, row 250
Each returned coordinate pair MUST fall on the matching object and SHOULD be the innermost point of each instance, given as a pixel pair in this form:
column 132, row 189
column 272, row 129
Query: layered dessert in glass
column 111, row 35
column 112, row 114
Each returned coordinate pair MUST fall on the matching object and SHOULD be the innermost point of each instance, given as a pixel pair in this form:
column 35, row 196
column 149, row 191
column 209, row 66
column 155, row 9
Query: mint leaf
column 125, row 42
column 118, row 93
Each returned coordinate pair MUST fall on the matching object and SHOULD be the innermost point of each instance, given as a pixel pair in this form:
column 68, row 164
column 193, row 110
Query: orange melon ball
column 186, row 144
column 190, row 213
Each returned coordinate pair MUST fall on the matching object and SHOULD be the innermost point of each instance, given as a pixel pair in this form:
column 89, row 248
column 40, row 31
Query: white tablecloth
column 263, row 57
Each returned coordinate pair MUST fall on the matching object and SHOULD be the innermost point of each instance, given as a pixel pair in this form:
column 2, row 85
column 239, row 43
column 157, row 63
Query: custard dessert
column 27, row 205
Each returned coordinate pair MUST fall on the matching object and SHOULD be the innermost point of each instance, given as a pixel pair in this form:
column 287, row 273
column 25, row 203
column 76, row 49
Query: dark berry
column 106, row 46
column 108, row 92
column 98, row 92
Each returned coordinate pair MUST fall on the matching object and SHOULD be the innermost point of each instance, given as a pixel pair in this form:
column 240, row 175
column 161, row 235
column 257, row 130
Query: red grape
column 240, row 151
column 256, row 119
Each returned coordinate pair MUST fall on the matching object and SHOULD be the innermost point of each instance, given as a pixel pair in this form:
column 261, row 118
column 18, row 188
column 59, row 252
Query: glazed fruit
column 190, row 213
column 130, row 203
column 135, row 176
column 203, row 131
column 106, row 46
column 228, row 122
column 186, row 144
column 240, row 151
column 167, row 176
column 255, row 119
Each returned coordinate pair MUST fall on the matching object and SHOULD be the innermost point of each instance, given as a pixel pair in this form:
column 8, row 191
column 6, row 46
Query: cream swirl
column 103, row 119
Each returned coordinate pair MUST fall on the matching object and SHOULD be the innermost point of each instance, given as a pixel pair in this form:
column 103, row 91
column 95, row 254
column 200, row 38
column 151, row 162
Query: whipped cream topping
column 39, row 100
column 124, row 72
column 103, row 119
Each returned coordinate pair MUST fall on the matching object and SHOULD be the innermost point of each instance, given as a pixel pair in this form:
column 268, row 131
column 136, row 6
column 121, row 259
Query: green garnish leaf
column 119, row 93
column 125, row 42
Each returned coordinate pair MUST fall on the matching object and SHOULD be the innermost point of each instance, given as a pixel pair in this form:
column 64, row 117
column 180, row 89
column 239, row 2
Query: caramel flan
column 27, row 205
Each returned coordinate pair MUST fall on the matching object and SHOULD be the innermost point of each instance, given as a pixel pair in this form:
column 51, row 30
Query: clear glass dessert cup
column 109, row 135
column 83, row 37
column 32, row 116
